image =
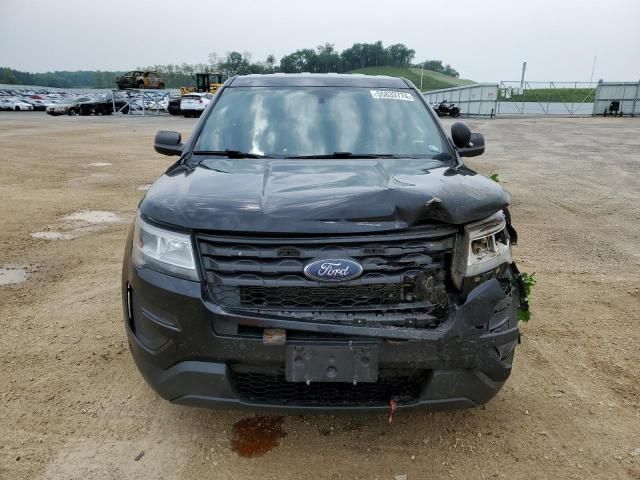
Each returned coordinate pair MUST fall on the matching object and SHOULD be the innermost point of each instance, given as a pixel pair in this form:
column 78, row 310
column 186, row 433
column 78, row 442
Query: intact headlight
column 163, row 250
column 483, row 247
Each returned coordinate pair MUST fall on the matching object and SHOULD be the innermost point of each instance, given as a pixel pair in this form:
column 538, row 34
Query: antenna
column 593, row 68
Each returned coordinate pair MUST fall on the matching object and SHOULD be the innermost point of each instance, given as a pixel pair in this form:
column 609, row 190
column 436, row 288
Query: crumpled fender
column 477, row 310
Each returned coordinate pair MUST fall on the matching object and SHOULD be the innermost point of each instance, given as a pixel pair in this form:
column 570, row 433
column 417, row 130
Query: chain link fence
column 546, row 98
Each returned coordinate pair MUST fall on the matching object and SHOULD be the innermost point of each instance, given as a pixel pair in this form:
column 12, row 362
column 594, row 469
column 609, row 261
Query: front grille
column 403, row 275
column 259, row 387
column 342, row 296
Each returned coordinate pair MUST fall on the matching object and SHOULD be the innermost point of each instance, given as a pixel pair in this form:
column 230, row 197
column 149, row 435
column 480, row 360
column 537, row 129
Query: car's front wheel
column 17, row 109
column 72, row 112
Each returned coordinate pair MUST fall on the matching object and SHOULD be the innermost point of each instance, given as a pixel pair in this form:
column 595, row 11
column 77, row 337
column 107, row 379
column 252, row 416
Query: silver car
column 67, row 106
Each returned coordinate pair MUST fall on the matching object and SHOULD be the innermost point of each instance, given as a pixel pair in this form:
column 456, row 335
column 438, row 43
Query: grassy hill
column 431, row 81
column 441, row 77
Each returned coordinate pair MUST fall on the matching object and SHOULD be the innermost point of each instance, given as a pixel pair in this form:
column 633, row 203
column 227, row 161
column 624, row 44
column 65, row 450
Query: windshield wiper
column 230, row 153
column 347, row 155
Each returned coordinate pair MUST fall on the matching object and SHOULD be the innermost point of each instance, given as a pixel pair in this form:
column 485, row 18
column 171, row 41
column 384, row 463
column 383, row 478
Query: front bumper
column 191, row 350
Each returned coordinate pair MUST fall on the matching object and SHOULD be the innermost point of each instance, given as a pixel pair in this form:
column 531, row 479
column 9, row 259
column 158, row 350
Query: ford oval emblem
column 333, row 270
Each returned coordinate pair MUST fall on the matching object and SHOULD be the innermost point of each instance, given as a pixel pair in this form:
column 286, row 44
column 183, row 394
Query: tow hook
column 393, row 408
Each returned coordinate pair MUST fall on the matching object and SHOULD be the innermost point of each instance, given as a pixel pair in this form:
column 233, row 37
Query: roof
column 319, row 80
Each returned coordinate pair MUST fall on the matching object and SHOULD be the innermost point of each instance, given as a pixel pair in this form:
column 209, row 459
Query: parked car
column 103, row 104
column 37, row 104
column 320, row 244
column 67, row 106
column 174, row 105
column 11, row 103
column 193, row 104
column 140, row 79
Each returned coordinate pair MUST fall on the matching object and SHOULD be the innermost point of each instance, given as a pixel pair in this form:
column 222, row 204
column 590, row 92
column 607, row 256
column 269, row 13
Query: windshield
column 316, row 121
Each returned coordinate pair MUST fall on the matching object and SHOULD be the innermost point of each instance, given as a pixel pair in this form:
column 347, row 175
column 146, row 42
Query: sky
column 485, row 40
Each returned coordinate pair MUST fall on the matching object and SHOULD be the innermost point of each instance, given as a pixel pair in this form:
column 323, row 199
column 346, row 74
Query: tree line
column 323, row 59
column 61, row 79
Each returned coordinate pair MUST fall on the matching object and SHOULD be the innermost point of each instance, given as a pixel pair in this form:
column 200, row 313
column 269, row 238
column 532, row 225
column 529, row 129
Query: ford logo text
column 333, row 270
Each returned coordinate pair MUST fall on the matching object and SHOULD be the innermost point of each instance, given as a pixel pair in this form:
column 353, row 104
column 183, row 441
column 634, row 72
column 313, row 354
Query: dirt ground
column 73, row 405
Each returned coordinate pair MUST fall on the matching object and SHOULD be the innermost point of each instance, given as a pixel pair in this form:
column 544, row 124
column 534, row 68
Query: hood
column 319, row 196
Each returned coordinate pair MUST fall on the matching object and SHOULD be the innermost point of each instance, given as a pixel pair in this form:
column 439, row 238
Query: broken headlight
column 481, row 251
column 163, row 250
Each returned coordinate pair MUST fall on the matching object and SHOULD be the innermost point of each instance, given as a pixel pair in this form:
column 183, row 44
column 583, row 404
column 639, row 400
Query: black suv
column 319, row 244
column 104, row 104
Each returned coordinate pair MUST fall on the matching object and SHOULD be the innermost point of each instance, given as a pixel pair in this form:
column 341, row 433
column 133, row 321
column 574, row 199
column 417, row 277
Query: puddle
column 256, row 436
column 52, row 235
column 144, row 188
column 10, row 275
column 94, row 216
column 100, row 164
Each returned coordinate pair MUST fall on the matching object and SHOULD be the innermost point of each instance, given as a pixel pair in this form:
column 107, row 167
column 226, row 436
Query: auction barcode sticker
column 391, row 95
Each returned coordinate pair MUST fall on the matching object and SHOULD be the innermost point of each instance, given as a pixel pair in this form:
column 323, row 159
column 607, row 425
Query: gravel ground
column 73, row 406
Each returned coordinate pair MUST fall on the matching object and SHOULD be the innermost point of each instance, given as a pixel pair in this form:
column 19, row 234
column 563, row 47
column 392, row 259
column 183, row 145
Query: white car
column 14, row 104
column 193, row 104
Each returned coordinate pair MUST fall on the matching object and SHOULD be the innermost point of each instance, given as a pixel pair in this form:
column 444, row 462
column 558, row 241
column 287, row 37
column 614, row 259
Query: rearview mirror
column 168, row 143
column 468, row 144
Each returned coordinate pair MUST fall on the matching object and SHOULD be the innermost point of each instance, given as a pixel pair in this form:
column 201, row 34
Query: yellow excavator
column 204, row 84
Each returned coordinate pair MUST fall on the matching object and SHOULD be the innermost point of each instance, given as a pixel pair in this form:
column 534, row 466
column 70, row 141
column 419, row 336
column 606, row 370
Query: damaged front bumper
column 194, row 352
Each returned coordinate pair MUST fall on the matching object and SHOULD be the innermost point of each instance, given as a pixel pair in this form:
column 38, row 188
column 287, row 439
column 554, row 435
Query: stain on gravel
column 94, row 216
column 12, row 274
column 256, row 436
column 52, row 235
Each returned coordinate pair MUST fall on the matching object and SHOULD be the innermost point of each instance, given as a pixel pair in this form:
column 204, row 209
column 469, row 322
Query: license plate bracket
column 332, row 363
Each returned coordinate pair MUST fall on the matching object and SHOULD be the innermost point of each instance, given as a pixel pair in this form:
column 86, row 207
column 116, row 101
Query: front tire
column 17, row 109
column 72, row 112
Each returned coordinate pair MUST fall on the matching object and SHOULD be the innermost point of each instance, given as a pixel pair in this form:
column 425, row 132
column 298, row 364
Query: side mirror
column 168, row 143
column 468, row 144
column 460, row 134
